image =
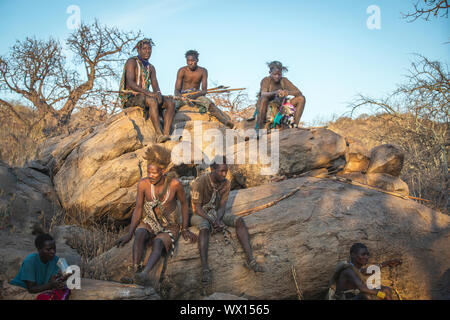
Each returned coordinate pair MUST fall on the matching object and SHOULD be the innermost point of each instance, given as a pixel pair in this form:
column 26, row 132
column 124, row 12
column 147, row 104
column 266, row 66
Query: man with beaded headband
column 138, row 75
column 156, row 217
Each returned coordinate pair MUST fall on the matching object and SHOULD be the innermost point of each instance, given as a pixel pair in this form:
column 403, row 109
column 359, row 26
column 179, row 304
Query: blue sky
column 331, row 54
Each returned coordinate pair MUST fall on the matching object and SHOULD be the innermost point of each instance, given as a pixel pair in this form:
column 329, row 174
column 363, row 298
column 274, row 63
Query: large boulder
column 97, row 172
column 357, row 157
column 27, row 198
column 299, row 150
column 387, row 182
column 311, row 230
column 386, row 158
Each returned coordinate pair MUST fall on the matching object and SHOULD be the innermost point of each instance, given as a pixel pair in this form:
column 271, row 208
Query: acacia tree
column 427, row 9
column 37, row 70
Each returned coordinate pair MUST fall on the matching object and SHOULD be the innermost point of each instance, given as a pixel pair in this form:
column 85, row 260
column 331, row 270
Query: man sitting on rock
column 348, row 282
column 156, row 217
column 39, row 276
column 209, row 195
column 138, row 75
column 189, row 79
column 273, row 94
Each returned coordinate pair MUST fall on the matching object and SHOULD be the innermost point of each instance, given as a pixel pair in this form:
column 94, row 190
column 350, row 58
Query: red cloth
column 54, row 295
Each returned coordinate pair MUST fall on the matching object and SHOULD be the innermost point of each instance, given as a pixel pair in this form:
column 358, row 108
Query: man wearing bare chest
column 156, row 217
column 189, row 79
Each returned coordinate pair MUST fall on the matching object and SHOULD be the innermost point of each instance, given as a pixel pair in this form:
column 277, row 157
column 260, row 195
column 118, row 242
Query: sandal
column 253, row 265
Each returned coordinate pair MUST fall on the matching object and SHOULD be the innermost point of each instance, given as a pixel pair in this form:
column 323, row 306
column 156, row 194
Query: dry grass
column 19, row 142
column 91, row 239
column 425, row 144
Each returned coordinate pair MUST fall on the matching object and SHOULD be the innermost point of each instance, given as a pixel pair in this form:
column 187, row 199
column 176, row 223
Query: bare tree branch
column 427, row 9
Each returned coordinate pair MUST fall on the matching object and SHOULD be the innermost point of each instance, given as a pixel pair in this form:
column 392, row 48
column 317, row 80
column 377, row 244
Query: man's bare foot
column 162, row 139
column 206, row 276
column 141, row 278
column 253, row 265
column 230, row 125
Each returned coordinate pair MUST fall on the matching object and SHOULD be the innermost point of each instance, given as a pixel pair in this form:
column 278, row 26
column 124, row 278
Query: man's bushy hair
column 148, row 41
column 193, row 53
column 356, row 246
column 158, row 155
column 276, row 65
column 218, row 160
column 40, row 240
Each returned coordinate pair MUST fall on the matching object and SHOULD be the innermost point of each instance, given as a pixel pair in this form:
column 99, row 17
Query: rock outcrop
column 311, row 231
column 386, row 158
column 27, row 197
column 108, row 290
column 98, row 170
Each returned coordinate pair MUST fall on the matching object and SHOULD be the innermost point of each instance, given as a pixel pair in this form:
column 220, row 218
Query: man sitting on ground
column 273, row 94
column 39, row 276
column 137, row 76
column 189, row 79
column 156, row 217
column 209, row 195
column 348, row 282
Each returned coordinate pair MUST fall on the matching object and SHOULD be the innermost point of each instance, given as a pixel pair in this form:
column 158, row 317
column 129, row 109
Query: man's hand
column 159, row 97
column 387, row 291
column 57, row 283
column 282, row 93
column 123, row 240
column 218, row 226
column 188, row 235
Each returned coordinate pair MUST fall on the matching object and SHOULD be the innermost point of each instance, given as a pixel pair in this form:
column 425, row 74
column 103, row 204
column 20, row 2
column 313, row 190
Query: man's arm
column 355, row 281
column 181, row 196
column 223, row 204
column 389, row 263
column 197, row 208
column 264, row 88
column 179, row 82
column 137, row 215
column 54, row 283
column 155, row 85
column 204, row 84
column 291, row 89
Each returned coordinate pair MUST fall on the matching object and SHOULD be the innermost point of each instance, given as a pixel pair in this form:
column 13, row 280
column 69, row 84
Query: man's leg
column 222, row 117
column 244, row 239
column 299, row 103
column 141, row 237
column 152, row 105
column 169, row 107
column 157, row 250
column 262, row 111
column 203, row 244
